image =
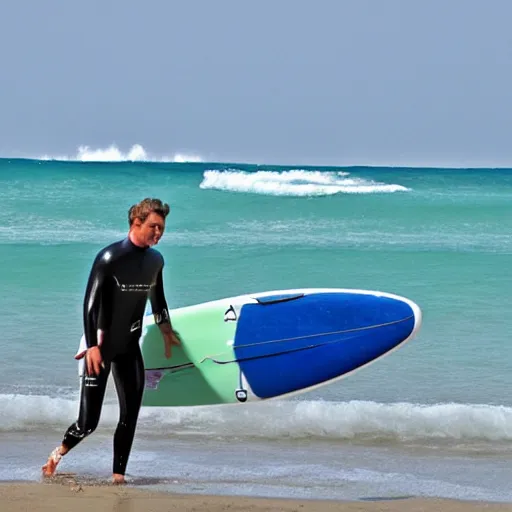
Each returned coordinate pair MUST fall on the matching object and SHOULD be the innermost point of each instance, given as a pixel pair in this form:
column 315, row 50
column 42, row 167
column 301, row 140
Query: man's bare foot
column 118, row 479
column 52, row 462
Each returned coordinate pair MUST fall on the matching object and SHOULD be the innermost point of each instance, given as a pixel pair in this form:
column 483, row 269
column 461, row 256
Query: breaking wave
column 354, row 420
column 113, row 154
column 296, row 182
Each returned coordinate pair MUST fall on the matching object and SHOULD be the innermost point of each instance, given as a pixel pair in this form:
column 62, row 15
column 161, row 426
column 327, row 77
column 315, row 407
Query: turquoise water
column 441, row 237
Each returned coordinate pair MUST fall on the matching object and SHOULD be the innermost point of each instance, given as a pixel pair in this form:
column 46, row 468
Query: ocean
column 431, row 419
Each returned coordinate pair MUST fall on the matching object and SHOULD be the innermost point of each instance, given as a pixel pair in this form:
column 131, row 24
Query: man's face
column 151, row 230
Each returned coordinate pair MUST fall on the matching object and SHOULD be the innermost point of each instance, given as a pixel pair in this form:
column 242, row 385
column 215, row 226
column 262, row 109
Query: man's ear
column 137, row 223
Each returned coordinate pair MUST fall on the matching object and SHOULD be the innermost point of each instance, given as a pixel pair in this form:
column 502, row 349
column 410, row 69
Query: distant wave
column 463, row 424
column 296, row 182
column 113, row 154
column 280, row 233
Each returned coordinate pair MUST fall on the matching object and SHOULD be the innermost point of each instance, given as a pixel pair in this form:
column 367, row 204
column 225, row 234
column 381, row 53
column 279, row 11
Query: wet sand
column 66, row 493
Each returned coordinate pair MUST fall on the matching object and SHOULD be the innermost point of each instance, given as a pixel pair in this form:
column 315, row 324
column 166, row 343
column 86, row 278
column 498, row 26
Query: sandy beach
column 67, row 494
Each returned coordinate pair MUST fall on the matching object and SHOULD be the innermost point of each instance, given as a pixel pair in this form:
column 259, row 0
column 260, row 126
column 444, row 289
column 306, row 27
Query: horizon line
column 233, row 162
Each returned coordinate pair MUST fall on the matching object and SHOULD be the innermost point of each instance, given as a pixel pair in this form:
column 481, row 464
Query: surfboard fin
column 241, row 395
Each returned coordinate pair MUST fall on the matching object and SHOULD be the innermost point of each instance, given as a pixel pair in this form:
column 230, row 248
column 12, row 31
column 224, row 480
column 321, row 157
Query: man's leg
column 92, row 394
column 128, row 372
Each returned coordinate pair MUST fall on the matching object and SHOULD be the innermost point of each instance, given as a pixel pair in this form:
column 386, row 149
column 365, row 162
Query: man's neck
column 135, row 241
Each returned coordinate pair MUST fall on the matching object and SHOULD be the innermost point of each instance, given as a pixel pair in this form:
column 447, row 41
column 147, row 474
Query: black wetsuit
column 123, row 277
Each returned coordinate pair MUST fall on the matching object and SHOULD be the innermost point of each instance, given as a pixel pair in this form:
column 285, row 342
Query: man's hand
column 171, row 337
column 93, row 361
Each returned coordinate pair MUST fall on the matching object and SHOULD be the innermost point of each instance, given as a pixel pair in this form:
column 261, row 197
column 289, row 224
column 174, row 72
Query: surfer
column 123, row 277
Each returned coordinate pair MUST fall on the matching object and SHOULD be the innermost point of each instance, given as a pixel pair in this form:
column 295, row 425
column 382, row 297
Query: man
column 123, row 277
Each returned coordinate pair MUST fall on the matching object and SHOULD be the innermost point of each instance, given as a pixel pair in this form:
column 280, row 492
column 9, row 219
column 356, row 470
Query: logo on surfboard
column 230, row 315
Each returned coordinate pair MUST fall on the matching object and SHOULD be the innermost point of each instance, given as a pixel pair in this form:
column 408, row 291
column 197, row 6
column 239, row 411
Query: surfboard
column 272, row 344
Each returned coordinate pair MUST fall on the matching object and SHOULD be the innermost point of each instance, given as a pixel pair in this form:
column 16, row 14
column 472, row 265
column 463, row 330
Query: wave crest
column 112, row 153
column 355, row 420
column 295, row 182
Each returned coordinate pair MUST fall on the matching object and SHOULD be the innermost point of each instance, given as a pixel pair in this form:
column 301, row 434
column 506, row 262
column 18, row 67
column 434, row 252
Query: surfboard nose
column 418, row 316
column 289, row 343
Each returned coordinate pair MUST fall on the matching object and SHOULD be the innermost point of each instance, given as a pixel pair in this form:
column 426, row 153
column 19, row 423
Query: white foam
column 296, row 182
column 136, row 153
column 464, row 423
column 349, row 420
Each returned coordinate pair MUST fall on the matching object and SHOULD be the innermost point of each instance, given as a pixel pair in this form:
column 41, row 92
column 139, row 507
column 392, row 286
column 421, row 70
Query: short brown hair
column 145, row 207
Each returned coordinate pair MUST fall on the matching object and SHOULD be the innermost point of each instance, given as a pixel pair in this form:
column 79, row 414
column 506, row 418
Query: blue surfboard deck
column 308, row 339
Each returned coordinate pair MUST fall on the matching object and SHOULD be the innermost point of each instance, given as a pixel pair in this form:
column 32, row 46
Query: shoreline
column 65, row 492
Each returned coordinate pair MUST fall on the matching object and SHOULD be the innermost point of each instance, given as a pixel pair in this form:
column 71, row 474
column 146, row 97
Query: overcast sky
column 276, row 81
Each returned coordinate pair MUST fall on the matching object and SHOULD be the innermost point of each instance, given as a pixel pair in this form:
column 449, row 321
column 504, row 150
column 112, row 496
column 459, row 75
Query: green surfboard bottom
column 187, row 378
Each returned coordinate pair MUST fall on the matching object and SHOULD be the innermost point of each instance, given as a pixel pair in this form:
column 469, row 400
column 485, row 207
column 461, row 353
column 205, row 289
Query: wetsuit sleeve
column 94, row 314
column 158, row 302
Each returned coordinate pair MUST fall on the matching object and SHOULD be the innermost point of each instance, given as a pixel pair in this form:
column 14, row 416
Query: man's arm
column 94, row 315
column 158, row 303
column 161, row 314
